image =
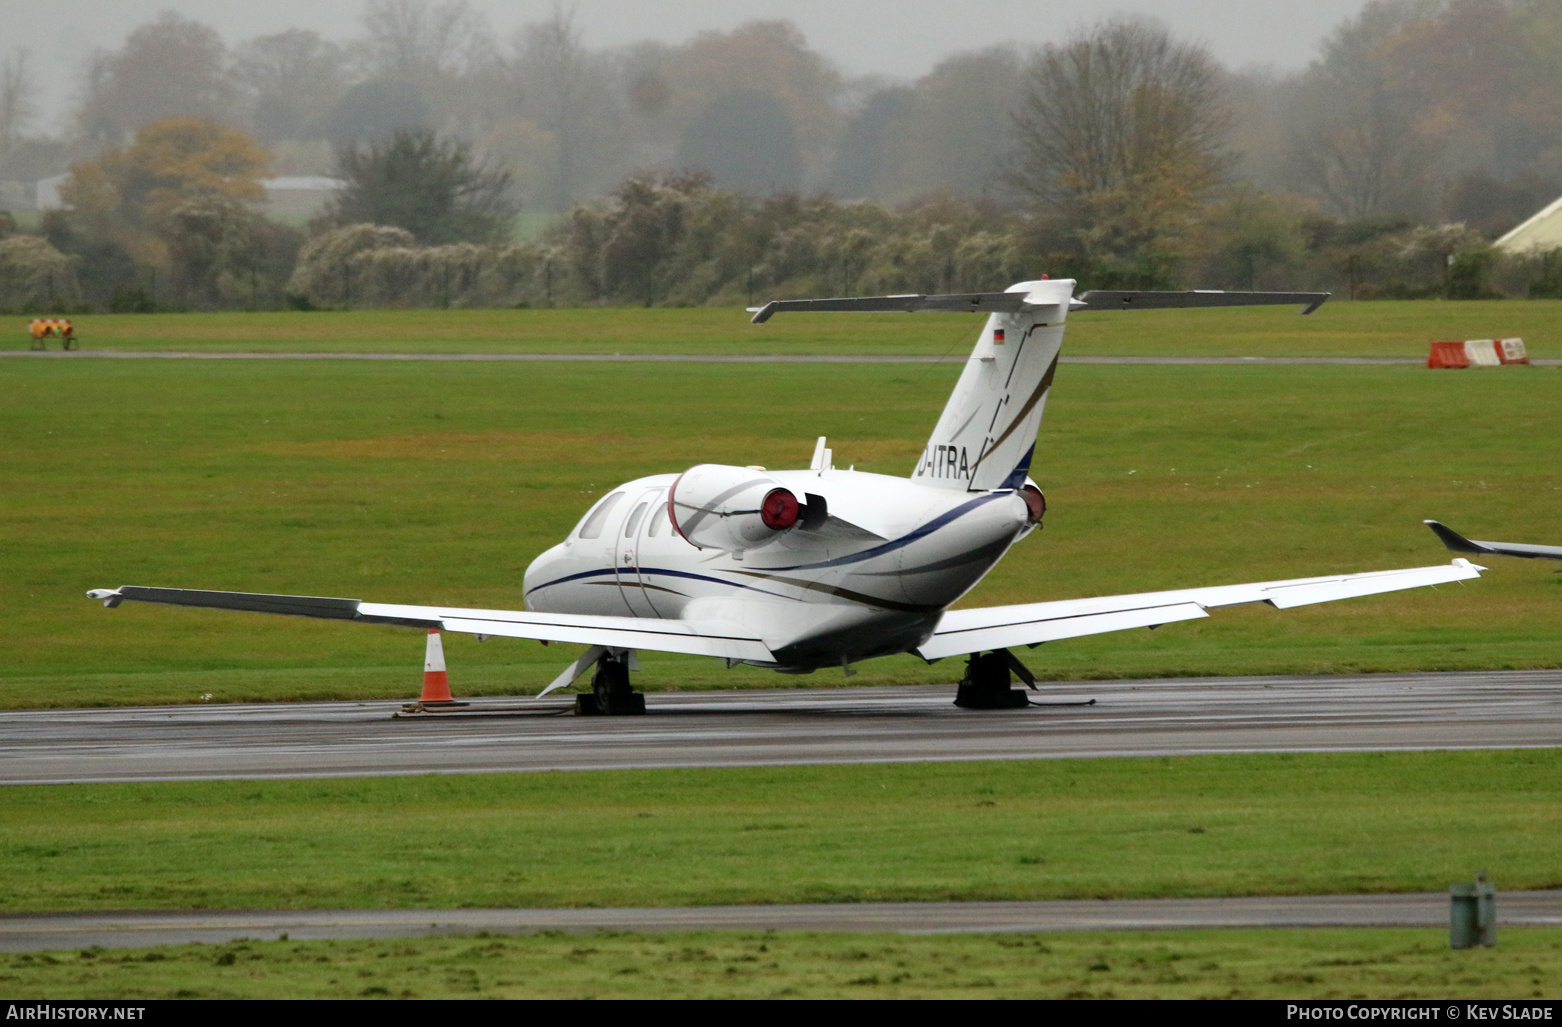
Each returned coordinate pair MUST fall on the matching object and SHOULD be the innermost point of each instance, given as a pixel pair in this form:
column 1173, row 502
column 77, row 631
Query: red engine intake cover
column 779, row 510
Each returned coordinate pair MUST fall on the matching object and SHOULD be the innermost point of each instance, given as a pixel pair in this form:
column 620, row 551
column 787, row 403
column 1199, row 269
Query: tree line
column 742, row 165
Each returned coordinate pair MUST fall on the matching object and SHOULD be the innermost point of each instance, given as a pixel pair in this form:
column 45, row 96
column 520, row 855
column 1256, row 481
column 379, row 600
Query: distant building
column 299, row 195
column 43, row 194
column 296, row 195
column 49, row 193
column 1541, row 232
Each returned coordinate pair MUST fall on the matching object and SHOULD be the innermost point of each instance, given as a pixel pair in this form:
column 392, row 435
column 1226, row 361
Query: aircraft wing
column 1001, row 627
column 1459, row 544
column 669, row 636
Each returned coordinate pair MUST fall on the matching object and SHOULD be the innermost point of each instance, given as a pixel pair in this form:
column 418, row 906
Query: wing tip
column 1453, row 540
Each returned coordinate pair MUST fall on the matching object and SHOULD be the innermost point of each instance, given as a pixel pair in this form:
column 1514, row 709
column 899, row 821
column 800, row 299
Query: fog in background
column 468, row 153
column 898, row 40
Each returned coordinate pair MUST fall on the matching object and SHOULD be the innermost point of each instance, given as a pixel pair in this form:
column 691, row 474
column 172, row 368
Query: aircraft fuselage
column 870, row 580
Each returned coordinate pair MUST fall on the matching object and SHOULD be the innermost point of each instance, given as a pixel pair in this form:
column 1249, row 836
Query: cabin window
column 634, row 520
column 657, row 517
column 591, row 527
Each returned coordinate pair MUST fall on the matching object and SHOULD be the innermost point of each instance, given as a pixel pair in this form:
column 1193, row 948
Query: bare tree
column 167, row 67
column 171, row 67
column 565, row 89
column 1357, row 144
column 445, row 51
column 1122, row 104
column 17, row 99
column 419, row 41
column 1121, row 137
column 290, row 78
column 938, row 134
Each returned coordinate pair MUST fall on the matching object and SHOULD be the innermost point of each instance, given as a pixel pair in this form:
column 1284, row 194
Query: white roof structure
column 48, row 193
column 1541, row 232
column 301, row 183
column 299, row 195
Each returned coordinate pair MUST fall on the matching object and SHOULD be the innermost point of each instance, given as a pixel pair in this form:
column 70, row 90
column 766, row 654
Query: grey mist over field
column 459, row 153
column 899, row 40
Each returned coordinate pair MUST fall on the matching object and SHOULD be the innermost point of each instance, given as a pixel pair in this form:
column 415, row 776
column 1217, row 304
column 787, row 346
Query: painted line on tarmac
column 692, row 358
column 43, row 931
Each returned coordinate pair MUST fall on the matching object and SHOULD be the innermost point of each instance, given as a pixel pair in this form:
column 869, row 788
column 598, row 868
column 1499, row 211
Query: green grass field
column 440, row 482
column 1380, row 328
column 1102, row 828
column 1313, row 964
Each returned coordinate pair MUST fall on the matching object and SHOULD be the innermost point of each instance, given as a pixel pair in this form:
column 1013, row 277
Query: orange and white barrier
column 1478, row 353
column 43, row 327
column 436, row 683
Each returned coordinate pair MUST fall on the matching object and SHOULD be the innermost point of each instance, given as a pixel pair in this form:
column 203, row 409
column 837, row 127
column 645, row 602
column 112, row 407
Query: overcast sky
column 899, row 39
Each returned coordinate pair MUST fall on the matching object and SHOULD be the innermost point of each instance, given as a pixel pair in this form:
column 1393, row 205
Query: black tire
column 610, row 687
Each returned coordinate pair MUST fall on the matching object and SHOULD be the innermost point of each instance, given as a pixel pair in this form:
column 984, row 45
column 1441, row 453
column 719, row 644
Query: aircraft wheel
column 612, row 692
column 986, row 685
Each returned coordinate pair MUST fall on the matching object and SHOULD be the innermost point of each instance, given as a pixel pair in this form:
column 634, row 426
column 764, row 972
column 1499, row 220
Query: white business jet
column 797, row 570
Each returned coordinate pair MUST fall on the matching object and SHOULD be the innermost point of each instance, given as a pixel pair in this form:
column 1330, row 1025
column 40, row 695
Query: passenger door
column 627, row 556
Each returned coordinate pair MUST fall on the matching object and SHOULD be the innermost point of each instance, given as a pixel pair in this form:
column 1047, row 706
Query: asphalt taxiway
column 43, row 931
column 1378, row 712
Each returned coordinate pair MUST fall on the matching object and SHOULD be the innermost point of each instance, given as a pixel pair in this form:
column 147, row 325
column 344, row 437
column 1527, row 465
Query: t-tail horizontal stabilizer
column 1122, row 299
column 966, row 302
column 1459, row 544
column 1014, row 301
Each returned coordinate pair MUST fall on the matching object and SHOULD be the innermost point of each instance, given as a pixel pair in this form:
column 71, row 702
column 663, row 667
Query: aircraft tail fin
column 986, row 436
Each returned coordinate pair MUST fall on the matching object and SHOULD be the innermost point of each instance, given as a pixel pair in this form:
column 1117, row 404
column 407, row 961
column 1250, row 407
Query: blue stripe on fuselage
column 905, row 540
column 653, row 570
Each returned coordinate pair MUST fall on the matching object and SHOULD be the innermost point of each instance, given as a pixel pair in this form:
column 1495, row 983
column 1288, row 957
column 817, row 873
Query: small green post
column 1472, row 914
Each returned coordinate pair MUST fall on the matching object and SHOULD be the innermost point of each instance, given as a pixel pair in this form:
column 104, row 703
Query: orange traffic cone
column 436, row 683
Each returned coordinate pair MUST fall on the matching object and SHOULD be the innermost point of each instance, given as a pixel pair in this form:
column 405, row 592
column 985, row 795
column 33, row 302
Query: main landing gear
column 611, row 694
column 986, row 682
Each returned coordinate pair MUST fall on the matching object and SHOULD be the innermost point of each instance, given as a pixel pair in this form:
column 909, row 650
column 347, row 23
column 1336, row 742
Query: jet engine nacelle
column 714, row 506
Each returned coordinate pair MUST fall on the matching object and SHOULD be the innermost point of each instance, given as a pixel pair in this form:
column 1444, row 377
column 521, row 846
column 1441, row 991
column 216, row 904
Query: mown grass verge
column 1378, row 328
column 438, row 483
column 1254, row 964
column 1107, row 828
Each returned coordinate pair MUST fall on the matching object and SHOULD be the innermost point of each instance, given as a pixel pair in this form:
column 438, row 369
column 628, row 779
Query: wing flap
column 1022, row 631
column 1285, row 597
column 654, row 635
column 1000, row 627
